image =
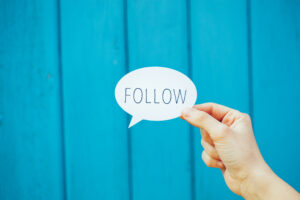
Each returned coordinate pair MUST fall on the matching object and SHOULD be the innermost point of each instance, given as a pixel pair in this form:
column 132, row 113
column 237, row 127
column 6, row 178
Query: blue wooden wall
column 62, row 134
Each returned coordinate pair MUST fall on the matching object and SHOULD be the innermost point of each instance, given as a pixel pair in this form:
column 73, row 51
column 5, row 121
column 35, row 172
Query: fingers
column 210, row 150
column 206, row 137
column 214, row 128
column 215, row 110
column 210, row 162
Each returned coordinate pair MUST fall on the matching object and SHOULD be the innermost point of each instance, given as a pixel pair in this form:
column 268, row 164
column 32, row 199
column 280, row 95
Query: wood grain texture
column 220, row 73
column 276, row 91
column 160, row 150
column 30, row 127
column 95, row 126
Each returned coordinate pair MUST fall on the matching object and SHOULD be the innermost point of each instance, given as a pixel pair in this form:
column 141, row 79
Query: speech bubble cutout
column 155, row 94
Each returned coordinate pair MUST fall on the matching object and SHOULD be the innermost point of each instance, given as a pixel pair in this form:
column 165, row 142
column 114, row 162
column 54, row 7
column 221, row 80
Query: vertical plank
column 276, row 71
column 220, row 73
column 30, row 126
column 95, row 127
column 160, row 150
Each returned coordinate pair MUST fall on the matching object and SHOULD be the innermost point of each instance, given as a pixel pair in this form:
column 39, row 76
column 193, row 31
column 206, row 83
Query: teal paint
column 30, row 132
column 220, row 73
column 62, row 134
column 160, row 151
column 276, row 91
column 95, row 127
column 190, row 74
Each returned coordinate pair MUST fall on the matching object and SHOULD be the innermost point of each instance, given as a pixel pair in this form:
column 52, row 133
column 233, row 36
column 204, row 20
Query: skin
column 229, row 144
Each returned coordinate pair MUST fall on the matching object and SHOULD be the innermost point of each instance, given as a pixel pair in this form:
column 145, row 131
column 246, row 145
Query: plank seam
column 126, row 63
column 250, row 68
column 190, row 74
column 61, row 99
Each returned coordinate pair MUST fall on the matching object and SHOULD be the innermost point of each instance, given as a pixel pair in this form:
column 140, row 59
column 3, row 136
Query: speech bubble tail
column 134, row 120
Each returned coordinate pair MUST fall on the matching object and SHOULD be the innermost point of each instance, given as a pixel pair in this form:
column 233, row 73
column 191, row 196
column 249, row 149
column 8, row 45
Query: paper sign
column 155, row 94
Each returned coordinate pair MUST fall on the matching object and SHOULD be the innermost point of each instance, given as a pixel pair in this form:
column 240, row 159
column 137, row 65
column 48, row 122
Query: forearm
column 265, row 184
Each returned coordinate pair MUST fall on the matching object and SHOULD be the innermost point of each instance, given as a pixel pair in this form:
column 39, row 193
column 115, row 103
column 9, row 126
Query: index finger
column 216, row 110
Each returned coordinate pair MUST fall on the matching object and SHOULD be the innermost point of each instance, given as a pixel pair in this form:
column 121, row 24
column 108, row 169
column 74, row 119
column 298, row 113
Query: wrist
column 258, row 182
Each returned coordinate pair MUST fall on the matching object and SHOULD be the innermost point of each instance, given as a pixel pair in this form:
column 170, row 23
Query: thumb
column 203, row 120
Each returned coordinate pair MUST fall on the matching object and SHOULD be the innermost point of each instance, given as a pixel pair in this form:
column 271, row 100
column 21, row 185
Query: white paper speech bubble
column 155, row 94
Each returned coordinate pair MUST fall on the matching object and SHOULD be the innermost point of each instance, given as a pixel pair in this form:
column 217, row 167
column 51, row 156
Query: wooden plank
column 30, row 127
column 160, row 150
column 276, row 72
column 95, row 126
column 220, row 73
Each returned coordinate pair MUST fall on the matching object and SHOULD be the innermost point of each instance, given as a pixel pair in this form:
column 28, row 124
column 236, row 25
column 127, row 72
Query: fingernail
column 187, row 112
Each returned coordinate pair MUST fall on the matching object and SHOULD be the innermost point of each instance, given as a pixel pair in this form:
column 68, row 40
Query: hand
column 229, row 144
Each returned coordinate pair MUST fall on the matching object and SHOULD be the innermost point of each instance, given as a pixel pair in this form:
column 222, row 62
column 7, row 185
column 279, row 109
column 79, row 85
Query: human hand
column 229, row 144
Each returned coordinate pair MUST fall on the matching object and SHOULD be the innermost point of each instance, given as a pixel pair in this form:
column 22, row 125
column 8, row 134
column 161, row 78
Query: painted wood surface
column 30, row 128
column 160, row 151
column 95, row 127
column 220, row 72
column 276, row 86
column 62, row 134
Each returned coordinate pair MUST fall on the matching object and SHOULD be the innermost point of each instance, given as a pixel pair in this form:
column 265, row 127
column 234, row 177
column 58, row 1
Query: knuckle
column 236, row 112
column 207, row 148
column 206, row 159
column 247, row 116
column 209, row 163
column 206, row 137
column 212, row 152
